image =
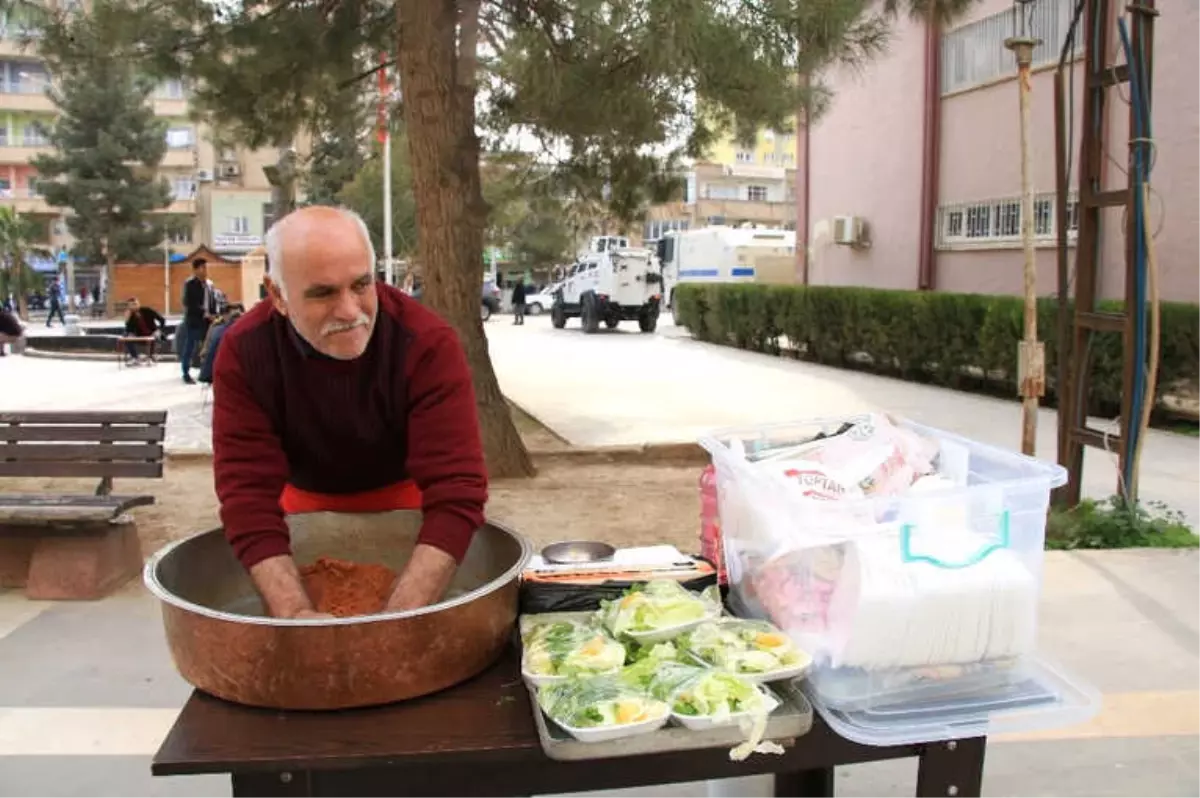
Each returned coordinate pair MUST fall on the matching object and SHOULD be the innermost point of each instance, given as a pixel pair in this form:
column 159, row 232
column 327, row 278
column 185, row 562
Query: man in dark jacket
column 142, row 323
column 518, row 301
column 198, row 310
column 11, row 330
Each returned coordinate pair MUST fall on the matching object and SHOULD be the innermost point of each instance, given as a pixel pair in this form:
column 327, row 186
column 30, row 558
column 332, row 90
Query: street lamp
column 1032, row 354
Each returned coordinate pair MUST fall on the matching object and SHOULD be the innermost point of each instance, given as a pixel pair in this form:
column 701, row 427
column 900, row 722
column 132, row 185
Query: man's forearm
column 279, row 583
column 424, row 580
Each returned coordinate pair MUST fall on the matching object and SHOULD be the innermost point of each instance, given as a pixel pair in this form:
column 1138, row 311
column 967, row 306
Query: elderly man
column 342, row 394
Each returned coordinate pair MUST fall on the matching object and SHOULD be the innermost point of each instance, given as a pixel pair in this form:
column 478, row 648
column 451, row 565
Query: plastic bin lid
column 1046, row 698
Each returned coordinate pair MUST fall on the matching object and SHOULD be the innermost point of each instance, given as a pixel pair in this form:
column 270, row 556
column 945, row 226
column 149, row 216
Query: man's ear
column 276, row 296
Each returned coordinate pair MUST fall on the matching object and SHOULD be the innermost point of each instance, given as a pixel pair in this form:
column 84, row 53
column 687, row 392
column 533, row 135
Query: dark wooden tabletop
column 487, row 720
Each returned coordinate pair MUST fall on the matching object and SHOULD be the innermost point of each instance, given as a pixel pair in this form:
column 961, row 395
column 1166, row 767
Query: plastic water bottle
column 710, row 523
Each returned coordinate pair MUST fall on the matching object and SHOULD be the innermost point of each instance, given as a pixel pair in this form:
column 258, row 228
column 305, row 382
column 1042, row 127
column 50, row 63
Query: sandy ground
column 617, row 503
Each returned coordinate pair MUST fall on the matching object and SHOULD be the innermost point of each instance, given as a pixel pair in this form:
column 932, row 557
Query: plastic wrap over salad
column 600, row 701
column 712, row 698
column 657, row 606
column 565, row 648
column 745, row 647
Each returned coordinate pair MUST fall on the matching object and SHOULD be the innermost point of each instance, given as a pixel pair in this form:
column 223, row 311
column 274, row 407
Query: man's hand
column 279, row 583
column 424, row 580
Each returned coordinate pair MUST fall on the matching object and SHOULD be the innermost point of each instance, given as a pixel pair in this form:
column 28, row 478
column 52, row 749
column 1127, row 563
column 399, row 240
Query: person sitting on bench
column 11, row 331
column 142, row 322
column 208, row 355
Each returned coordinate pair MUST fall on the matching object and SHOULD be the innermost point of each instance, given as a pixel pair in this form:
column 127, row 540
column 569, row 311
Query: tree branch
column 348, row 82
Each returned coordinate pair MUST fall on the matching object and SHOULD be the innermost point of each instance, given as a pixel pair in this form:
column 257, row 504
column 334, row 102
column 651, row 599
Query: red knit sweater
column 405, row 409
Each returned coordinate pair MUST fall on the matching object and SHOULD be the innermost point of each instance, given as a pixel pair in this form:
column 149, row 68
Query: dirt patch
column 620, row 504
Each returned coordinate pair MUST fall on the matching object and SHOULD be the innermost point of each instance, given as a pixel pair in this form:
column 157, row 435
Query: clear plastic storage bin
column 923, row 599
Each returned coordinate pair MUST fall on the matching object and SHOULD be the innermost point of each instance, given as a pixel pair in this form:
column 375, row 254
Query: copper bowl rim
column 150, row 577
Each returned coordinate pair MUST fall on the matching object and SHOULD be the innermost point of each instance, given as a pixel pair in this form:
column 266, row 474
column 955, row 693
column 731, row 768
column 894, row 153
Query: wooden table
column 479, row 739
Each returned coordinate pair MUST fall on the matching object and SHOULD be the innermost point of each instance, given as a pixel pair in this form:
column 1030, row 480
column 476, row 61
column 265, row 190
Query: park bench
column 75, row 545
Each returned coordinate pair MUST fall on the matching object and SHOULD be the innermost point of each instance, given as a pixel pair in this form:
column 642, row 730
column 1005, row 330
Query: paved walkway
column 37, row 383
column 627, row 388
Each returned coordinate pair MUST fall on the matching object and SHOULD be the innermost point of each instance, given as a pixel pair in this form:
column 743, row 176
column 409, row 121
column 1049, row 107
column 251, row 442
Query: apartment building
column 913, row 183
column 221, row 193
column 747, row 191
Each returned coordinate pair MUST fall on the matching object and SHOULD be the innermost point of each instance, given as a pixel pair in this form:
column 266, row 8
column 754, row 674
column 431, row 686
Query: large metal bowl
column 223, row 643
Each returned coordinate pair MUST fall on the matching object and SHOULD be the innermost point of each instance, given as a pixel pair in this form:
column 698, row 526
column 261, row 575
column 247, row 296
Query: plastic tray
column 706, row 722
column 1045, row 697
column 793, row 719
column 604, row 734
column 852, row 689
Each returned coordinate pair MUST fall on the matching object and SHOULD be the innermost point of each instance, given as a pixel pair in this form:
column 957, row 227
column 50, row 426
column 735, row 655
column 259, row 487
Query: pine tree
column 108, row 144
column 615, row 84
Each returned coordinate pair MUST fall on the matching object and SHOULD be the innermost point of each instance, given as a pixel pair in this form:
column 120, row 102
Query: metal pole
column 166, row 277
column 1031, row 356
column 389, row 277
column 1062, row 187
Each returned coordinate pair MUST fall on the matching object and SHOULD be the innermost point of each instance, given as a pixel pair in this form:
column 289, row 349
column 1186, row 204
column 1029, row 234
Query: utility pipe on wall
column 930, row 155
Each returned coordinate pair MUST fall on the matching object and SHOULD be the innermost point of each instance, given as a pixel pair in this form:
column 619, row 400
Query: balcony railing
column 24, row 141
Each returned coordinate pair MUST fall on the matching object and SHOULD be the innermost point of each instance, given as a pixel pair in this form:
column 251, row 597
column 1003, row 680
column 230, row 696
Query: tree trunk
column 22, row 287
column 438, row 91
column 109, row 273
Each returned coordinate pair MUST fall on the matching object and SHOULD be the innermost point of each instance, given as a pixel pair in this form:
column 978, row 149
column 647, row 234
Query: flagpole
column 385, row 122
column 387, row 208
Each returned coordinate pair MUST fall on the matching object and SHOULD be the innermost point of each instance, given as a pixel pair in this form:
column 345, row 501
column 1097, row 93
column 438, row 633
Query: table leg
column 805, row 783
column 268, row 785
column 953, row 768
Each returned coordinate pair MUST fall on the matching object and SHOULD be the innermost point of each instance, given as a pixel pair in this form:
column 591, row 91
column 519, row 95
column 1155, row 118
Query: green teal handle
column 908, row 556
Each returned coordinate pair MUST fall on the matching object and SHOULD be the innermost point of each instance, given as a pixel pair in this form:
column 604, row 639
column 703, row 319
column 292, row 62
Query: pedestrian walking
column 57, row 298
column 518, row 301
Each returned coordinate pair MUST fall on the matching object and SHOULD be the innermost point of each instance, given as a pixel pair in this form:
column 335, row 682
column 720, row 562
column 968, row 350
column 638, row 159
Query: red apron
column 397, row 496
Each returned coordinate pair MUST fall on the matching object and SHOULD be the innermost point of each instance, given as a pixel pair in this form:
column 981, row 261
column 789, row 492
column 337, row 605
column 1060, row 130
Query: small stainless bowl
column 578, row 551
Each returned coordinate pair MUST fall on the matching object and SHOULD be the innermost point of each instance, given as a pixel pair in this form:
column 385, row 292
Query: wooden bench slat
column 20, row 510
column 85, row 417
column 65, row 469
column 21, row 500
column 37, row 452
column 61, row 434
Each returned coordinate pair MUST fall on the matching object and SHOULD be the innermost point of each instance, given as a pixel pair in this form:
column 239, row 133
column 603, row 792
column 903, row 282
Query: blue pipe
column 1139, row 173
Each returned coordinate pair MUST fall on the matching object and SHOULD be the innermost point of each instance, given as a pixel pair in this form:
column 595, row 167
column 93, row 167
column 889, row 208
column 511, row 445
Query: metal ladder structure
column 1078, row 326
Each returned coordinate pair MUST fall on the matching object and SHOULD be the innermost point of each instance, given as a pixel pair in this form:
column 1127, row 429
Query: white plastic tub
column 810, row 566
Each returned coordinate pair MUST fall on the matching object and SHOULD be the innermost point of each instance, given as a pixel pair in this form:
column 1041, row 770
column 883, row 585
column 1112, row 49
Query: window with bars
column 998, row 222
column 756, row 193
column 184, row 188
column 975, row 55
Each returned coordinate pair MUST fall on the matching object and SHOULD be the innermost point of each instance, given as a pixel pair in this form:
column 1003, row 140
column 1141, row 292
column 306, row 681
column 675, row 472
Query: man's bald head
column 321, row 266
column 322, row 222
